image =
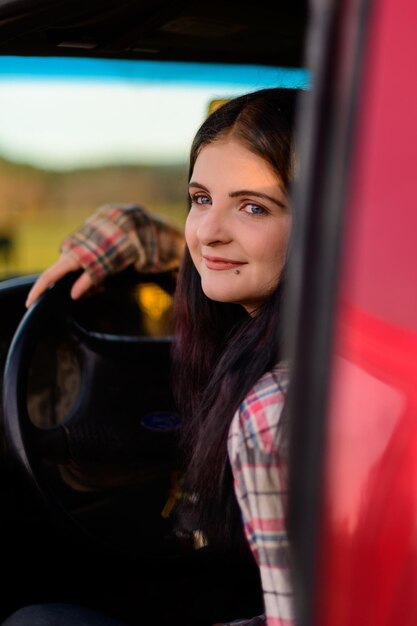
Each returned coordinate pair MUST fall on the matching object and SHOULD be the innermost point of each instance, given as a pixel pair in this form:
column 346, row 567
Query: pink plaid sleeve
column 260, row 480
column 116, row 236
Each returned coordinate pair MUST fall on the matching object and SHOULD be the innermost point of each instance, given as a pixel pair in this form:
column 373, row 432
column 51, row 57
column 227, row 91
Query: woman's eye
column 200, row 199
column 254, row 209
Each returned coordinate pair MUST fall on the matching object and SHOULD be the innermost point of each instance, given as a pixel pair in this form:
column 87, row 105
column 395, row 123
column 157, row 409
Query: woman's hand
column 66, row 263
column 112, row 238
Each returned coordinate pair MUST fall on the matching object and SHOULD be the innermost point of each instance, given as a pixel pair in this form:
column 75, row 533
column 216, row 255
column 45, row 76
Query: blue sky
column 64, row 113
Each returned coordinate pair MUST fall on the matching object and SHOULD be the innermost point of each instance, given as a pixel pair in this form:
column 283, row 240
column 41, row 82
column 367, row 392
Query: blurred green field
column 35, row 238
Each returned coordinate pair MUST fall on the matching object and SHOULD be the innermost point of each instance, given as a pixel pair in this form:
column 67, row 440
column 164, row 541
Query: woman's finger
column 82, row 285
column 63, row 266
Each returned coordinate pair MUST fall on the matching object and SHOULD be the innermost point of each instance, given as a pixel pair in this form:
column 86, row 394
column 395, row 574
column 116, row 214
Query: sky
column 65, row 113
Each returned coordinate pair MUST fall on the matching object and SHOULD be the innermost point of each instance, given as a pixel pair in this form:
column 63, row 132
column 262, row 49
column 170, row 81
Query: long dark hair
column 220, row 351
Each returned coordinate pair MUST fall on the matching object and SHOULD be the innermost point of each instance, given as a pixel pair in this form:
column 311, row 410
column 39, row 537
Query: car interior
column 89, row 458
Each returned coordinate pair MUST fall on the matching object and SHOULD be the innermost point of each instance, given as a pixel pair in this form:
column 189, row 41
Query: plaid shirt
column 260, row 484
column 115, row 237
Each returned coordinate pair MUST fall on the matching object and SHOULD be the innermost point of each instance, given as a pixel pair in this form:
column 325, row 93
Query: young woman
column 231, row 375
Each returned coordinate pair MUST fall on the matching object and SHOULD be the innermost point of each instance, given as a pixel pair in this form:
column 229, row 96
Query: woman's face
column 238, row 227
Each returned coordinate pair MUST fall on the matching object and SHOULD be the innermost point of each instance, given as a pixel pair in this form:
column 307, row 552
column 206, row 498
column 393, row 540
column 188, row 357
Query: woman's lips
column 217, row 263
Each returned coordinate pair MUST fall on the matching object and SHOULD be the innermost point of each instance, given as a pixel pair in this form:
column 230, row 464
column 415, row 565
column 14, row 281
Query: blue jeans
column 58, row 615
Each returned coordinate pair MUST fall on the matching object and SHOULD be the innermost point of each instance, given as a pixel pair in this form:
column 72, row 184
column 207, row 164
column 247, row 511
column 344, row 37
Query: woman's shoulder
column 271, row 383
column 269, row 391
column 258, row 417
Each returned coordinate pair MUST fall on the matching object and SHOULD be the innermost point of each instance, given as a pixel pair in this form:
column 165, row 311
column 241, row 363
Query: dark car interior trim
column 326, row 131
column 217, row 31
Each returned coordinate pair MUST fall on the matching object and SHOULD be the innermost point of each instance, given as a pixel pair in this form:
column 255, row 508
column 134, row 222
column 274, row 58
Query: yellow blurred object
column 174, row 495
column 153, row 300
column 215, row 104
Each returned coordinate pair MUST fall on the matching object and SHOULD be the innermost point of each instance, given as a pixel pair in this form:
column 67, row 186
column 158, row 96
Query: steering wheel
column 107, row 466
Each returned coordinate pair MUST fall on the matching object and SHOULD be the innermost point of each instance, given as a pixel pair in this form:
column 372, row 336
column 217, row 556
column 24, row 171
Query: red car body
column 366, row 566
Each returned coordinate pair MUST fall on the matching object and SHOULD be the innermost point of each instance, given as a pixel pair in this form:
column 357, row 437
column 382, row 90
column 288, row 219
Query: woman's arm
column 114, row 237
column 260, row 480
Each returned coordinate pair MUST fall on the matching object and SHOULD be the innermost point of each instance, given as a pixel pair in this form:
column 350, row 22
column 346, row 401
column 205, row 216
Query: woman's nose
column 214, row 227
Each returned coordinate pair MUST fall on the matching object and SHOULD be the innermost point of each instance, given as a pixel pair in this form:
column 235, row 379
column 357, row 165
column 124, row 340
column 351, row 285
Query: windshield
column 77, row 133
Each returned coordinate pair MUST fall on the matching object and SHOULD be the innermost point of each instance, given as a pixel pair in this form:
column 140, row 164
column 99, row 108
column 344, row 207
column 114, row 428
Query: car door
column 354, row 303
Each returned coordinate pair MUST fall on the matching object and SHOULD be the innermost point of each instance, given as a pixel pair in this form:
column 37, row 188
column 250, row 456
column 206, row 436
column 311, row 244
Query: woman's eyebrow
column 257, row 194
column 197, row 185
column 242, row 192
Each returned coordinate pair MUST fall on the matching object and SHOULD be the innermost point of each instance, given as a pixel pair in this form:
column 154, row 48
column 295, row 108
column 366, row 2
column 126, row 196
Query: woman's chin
column 214, row 292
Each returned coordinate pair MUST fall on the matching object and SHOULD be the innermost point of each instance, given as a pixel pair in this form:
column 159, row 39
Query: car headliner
column 232, row 32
